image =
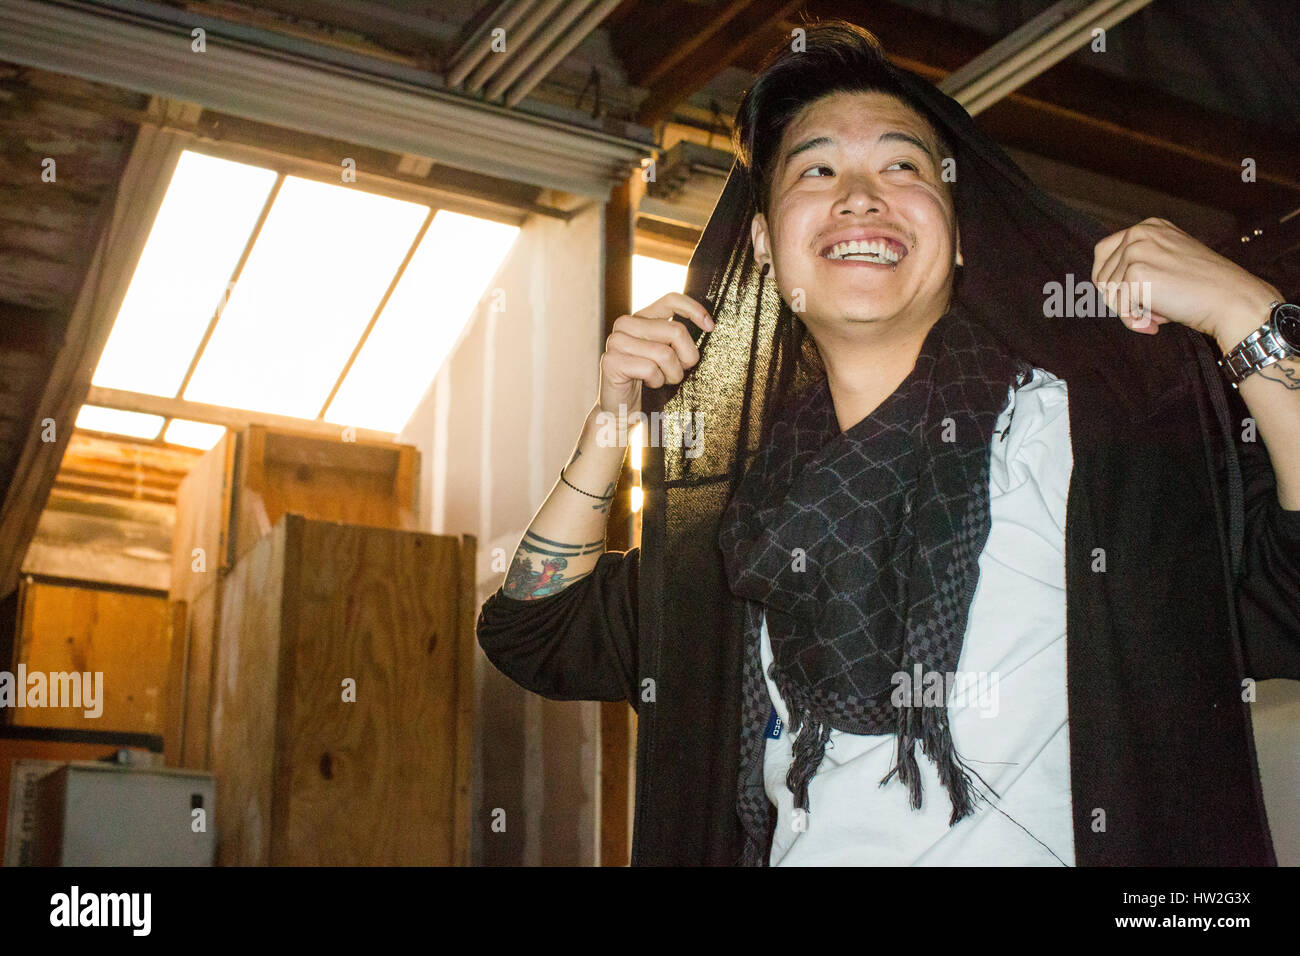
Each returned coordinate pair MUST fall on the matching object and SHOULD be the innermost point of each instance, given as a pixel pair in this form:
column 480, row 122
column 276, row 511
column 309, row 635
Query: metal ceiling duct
column 1032, row 49
column 537, row 48
column 519, row 45
column 539, row 70
column 479, row 44
column 153, row 54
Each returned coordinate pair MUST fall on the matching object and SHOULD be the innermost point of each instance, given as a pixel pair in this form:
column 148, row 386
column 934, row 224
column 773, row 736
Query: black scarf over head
column 694, row 630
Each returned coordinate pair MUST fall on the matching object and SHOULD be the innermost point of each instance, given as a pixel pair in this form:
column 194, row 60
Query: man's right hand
column 647, row 347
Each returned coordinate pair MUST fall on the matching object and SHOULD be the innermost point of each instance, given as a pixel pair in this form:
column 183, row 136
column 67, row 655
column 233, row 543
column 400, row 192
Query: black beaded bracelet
column 580, row 491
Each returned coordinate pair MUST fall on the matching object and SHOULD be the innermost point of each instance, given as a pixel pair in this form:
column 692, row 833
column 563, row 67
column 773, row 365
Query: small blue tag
column 773, row 731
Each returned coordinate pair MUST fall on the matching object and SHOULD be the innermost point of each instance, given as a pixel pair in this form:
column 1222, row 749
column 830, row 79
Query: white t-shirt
column 1007, row 707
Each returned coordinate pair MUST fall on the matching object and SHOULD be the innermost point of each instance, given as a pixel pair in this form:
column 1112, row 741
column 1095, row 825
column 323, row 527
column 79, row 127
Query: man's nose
column 861, row 194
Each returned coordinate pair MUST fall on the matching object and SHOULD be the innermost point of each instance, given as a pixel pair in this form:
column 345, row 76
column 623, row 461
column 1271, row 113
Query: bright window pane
column 319, row 269
column 135, row 424
column 438, row 292
column 182, row 431
column 652, row 279
column 203, row 225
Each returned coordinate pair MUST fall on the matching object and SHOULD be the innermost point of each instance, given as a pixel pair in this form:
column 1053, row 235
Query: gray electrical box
column 103, row 814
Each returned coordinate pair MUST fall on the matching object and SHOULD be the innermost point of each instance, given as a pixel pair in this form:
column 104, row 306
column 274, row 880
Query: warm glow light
column 202, row 227
column 434, row 300
column 636, row 499
column 135, row 424
column 635, row 439
column 182, row 431
column 654, row 278
column 319, row 269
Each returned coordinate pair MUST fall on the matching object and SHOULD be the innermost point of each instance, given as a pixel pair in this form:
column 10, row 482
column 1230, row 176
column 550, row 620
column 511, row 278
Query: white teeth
column 872, row 251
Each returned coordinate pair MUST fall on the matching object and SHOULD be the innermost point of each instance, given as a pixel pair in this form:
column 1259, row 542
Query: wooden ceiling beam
column 27, row 330
column 691, row 45
column 123, row 229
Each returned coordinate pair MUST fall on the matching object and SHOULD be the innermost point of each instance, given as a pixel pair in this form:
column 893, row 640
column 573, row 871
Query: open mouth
column 885, row 252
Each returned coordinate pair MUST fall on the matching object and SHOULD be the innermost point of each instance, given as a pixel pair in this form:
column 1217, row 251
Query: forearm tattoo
column 608, row 495
column 539, row 565
column 1285, row 373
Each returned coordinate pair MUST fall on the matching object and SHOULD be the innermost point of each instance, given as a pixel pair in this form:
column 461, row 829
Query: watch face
column 1286, row 318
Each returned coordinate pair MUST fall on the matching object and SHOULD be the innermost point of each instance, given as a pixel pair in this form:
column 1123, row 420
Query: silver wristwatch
column 1276, row 339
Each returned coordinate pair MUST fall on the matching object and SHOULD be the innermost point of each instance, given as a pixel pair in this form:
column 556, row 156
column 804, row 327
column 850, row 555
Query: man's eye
column 818, row 166
column 906, row 162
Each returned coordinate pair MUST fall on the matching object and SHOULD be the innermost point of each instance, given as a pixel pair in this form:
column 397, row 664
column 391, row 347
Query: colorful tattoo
column 539, row 565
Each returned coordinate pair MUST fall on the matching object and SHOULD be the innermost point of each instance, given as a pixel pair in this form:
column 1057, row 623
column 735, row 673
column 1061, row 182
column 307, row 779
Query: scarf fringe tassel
column 936, row 743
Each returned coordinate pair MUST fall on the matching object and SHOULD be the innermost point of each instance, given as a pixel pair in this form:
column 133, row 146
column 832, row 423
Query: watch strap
column 1258, row 350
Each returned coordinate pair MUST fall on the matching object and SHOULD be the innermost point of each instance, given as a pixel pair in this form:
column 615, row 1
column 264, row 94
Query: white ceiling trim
column 235, row 77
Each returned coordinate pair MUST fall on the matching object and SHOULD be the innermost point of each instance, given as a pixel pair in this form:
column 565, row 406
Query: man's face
column 859, row 166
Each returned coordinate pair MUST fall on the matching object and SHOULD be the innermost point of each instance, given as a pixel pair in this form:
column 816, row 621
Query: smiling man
column 881, row 533
column 915, row 483
column 867, row 229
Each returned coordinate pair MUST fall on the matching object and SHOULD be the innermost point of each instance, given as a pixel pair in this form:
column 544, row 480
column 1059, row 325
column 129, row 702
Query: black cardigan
column 1162, row 757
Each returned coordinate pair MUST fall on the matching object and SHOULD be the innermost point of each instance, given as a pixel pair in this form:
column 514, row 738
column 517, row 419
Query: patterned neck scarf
column 862, row 547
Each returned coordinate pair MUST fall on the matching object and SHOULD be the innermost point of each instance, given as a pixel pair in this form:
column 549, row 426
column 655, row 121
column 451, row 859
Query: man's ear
column 959, row 259
column 762, row 240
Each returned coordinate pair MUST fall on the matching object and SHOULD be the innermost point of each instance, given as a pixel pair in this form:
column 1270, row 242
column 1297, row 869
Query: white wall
column 494, row 429
column 1276, row 716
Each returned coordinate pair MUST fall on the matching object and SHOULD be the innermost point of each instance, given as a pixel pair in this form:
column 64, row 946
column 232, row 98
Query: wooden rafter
column 673, row 51
column 126, row 222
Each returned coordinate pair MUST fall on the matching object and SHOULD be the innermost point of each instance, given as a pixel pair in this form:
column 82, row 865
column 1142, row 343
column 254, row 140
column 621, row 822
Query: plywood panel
column 467, row 609
column 309, row 775
column 124, row 636
column 202, row 522
column 372, row 781
column 174, row 692
column 103, row 540
column 204, row 613
column 245, row 703
column 355, row 482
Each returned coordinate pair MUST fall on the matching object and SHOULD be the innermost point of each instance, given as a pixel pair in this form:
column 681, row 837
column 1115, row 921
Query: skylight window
column 202, row 228
column 118, row 422
column 419, row 324
column 287, row 296
column 193, row 434
column 315, row 277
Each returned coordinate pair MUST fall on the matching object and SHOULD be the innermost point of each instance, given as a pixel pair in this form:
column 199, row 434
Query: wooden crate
column 232, row 498
column 127, row 636
column 355, row 482
column 189, row 683
column 201, row 541
column 110, row 516
column 305, row 777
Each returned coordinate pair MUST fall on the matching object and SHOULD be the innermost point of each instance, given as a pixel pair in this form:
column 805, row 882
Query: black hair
column 833, row 56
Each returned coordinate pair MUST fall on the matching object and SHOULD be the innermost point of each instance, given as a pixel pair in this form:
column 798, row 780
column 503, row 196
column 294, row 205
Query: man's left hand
column 1153, row 273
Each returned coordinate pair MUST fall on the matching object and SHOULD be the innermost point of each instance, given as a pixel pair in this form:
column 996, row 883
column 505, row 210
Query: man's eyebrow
column 893, row 135
column 807, row 145
column 898, row 136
